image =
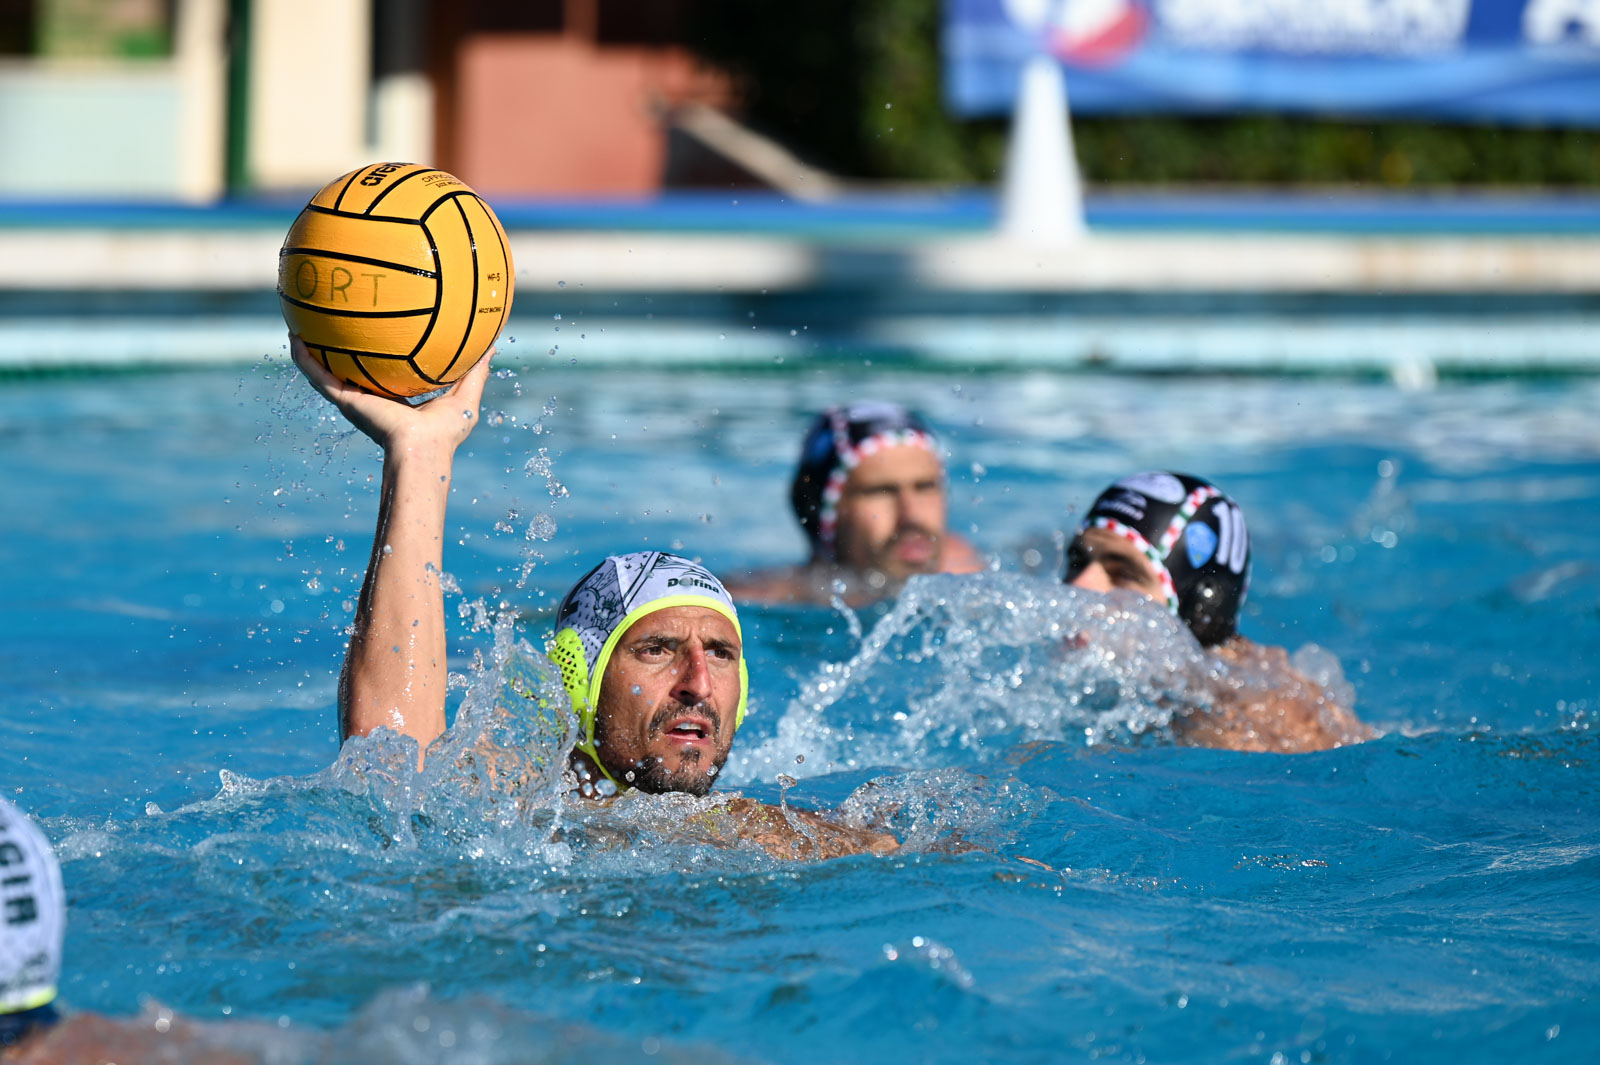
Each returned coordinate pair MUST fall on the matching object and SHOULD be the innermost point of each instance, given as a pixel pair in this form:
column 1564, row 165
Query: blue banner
column 1515, row 61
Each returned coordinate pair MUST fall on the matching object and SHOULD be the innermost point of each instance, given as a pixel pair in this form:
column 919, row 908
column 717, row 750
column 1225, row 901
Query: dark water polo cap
column 1194, row 537
column 837, row 441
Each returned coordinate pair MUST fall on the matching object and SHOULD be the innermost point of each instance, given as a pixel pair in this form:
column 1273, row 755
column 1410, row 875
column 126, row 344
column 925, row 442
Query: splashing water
column 1420, row 897
column 965, row 667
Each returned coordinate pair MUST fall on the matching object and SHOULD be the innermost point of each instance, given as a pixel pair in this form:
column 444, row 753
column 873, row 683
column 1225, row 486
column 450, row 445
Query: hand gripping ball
column 397, row 276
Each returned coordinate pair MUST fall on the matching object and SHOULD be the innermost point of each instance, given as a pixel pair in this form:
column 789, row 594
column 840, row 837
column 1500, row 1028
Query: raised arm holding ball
column 395, row 280
column 395, row 672
column 648, row 645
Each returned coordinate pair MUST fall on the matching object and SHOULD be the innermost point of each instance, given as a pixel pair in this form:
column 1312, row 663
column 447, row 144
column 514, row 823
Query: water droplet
column 388, row 549
column 542, row 527
column 561, row 284
column 637, row 690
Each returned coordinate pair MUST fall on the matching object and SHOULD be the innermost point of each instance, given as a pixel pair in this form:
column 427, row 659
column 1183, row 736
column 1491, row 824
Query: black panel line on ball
column 365, row 373
column 350, row 314
column 438, row 292
column 339, row 201
column 415, row 173
column 418, row 371
column 452, row 198
column 345, row 257
column 358, row 353
column 363, row 217
column 472, row 308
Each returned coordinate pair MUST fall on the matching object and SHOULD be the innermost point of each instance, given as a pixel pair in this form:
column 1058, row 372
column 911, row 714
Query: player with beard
column 648, row 644
column 651, row 653
column 870, row 494
column 1181, row 541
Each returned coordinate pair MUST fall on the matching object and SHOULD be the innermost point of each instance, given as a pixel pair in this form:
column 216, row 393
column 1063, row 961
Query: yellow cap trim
column 31, row 1001
column 583, row 685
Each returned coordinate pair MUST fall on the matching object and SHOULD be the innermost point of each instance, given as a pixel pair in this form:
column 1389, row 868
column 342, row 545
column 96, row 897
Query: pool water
column 183, row 550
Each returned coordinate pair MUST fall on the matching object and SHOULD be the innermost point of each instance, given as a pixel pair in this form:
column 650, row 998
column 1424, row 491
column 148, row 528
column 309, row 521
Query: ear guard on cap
column 566, row 651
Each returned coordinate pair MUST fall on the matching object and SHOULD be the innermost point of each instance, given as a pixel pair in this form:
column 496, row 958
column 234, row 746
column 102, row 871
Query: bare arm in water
column 395, row 669
column 1284, row 711
column 790, row 834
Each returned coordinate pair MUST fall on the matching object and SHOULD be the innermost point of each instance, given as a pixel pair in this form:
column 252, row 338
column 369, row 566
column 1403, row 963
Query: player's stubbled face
column 669, row 700
column 891, row 514
column 1101, row 561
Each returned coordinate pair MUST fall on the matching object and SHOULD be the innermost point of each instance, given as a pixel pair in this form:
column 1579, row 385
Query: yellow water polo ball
column 397, row 276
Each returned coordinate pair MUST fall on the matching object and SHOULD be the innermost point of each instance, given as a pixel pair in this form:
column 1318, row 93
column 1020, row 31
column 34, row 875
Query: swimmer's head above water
column 651, row 653
column 33, row 912
column 870, row 490
column 1175, row 538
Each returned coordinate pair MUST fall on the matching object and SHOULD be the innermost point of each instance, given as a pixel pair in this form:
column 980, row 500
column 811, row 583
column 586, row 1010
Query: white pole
column 1041, row 198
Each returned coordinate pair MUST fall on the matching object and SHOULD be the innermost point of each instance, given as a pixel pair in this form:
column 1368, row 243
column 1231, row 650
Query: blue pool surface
column 911, row 213
column 182, row 550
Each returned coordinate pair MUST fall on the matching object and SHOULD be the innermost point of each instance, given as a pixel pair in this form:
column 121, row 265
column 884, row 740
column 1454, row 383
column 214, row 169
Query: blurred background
column 869, row 168
column 196, row 100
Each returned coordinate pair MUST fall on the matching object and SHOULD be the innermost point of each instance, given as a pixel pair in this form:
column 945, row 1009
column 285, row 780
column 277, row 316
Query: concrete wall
column 545, row 115
column 128, row 129
column 310, row 66
column 72, row 131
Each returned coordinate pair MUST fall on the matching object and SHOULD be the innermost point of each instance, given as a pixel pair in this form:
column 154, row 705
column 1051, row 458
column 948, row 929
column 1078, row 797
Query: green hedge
column 854, row 86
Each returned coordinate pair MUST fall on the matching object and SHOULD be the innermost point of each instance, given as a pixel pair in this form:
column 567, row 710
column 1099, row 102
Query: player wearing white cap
column 33, row 913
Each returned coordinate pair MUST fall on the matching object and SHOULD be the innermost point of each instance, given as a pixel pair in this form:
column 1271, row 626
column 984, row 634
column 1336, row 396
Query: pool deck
column 1509, row 283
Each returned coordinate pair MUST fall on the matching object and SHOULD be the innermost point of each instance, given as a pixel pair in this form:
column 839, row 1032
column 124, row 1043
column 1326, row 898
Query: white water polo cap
column 604, row 605
column 33, row 914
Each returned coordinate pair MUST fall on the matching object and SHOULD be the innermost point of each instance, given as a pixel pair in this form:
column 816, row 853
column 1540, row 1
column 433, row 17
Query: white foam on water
column 965, row 667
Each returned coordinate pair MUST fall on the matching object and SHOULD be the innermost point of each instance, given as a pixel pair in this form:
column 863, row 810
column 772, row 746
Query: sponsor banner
column 1518, row 61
